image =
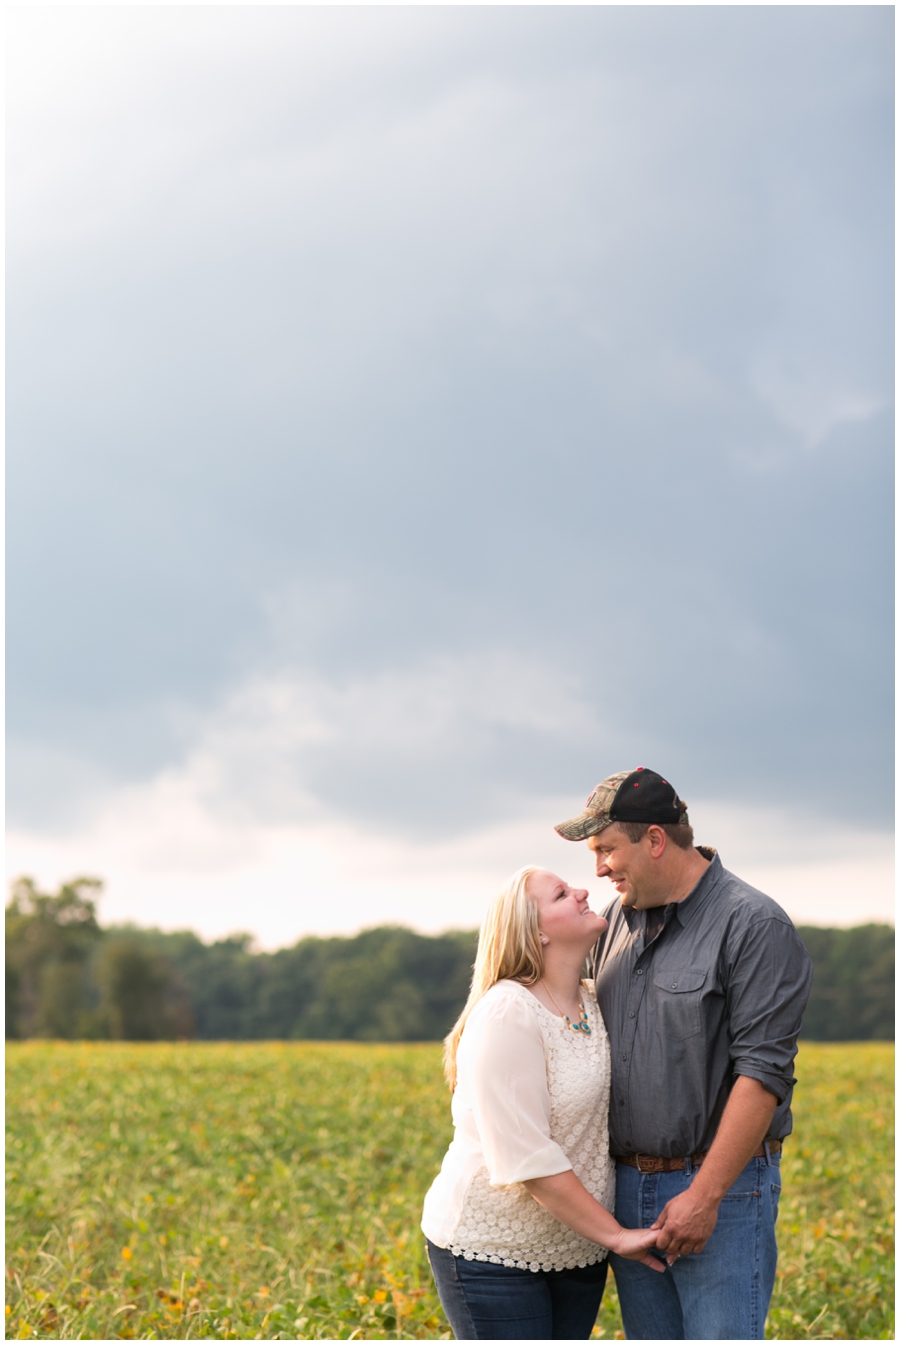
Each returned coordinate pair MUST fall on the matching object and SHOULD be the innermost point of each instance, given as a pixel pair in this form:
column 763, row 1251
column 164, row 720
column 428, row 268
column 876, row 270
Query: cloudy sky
column 417, row 414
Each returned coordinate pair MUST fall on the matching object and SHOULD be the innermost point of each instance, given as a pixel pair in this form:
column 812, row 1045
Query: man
column 702, row 981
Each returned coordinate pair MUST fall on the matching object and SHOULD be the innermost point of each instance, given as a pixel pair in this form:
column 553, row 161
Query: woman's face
column 564, row 916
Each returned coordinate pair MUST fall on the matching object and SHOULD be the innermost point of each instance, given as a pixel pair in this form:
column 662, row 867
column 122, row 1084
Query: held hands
column 635, row 1243
column 685, row 1224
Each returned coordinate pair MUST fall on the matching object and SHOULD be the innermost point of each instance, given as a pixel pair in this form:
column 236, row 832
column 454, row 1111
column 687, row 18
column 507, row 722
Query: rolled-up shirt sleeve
column 502, row 1067
column 768, row 986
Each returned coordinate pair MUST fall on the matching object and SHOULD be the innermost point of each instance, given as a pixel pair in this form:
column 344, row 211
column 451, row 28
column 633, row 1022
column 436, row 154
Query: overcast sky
column 417, row 414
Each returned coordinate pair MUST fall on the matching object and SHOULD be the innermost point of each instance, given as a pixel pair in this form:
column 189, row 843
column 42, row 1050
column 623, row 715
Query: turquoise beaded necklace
column 583, row 1026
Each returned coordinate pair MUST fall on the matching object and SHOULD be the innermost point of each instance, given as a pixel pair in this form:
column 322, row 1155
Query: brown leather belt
column 649, row 1163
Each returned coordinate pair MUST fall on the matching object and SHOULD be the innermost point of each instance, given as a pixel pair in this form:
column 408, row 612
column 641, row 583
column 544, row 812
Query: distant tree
column 223, row 980
column 139, row 993
column 65, row 977
column 13, row 1001
column 50, row 942
column 384, row 984
column 852, row 996
column 65, row 1001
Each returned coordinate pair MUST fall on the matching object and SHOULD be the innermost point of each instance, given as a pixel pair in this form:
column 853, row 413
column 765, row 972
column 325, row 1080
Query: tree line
column 68, row 977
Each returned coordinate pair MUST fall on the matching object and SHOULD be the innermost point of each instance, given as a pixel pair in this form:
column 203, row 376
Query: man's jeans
column 721, row 1293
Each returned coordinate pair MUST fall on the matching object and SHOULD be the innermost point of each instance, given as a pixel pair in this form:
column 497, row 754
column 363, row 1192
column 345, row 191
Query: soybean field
column 272, row 1191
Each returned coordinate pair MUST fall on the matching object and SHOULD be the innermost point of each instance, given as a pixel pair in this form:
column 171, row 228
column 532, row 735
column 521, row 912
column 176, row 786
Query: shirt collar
column 687, row 909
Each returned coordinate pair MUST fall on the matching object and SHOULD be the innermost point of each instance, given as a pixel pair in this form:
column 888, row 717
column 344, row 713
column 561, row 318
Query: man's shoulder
column 748, row 902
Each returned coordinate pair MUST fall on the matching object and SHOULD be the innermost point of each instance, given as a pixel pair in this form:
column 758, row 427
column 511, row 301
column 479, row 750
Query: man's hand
column 686, row 1223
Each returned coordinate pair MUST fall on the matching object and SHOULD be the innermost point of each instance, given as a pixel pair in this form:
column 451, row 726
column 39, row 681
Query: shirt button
column 624, row 1057
column 674, row 985
column 640, row 971
column 631, row 1015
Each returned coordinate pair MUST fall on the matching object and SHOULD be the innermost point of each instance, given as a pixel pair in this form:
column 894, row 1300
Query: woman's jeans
column 721, row 1293
column 487, row 1302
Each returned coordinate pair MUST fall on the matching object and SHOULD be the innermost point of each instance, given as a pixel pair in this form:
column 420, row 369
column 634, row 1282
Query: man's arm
column 767, row 985
column 688, row 1220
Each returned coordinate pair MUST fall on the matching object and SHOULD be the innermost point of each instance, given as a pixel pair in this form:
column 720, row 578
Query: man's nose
column 602, row 867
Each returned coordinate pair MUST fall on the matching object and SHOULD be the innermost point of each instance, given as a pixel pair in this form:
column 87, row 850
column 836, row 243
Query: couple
column 656, row 1145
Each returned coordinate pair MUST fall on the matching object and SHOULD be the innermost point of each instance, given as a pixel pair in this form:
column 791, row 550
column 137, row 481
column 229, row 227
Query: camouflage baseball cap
column 628, row 796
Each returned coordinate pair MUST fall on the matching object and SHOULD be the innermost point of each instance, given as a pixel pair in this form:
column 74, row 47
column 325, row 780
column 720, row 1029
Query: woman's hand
column 635, row 1243
column 566, row 1199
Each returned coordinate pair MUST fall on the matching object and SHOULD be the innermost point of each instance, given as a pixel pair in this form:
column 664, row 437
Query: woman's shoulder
column 506, row 992
column 504, row 999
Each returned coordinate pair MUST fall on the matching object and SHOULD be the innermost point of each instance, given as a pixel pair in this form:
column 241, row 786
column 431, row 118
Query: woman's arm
column 503, row 1076
column 572, row 1204
column 504, row 1072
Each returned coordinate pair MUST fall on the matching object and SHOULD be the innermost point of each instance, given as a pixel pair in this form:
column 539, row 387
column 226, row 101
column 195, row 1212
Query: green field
column 272, row 1191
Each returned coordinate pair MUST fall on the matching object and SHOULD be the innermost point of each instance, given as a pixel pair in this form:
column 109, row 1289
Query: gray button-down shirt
column 718, row 992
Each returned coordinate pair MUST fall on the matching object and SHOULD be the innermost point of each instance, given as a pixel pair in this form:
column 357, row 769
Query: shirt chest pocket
column 678, row 996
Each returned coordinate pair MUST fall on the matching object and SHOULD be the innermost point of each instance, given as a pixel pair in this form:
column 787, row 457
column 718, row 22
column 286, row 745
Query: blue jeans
column 487, row 1302
column 721, row 1293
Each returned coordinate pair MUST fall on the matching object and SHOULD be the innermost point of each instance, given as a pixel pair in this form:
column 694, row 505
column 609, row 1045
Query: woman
column 518, row 1221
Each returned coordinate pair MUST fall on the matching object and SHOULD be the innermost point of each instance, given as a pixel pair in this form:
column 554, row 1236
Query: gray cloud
column 349, row 346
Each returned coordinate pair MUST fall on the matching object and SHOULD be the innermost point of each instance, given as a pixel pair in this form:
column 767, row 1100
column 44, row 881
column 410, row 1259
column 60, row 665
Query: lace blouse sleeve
column 502, row 1067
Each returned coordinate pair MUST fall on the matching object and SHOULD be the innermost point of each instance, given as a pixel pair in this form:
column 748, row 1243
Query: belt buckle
column 637, row 1163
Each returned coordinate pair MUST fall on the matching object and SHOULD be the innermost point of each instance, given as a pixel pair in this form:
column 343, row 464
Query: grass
column 272, row 1191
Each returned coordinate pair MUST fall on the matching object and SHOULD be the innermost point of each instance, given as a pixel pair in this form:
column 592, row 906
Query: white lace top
column 531, row 1100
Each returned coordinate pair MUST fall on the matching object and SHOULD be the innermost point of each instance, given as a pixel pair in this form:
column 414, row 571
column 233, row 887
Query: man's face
column 629, row 866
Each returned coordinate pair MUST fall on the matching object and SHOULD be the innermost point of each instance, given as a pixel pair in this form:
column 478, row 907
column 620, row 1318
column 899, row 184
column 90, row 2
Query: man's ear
column 658, row 840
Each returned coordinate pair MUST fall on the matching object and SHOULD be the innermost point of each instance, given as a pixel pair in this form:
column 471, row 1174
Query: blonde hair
column 509, row 948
